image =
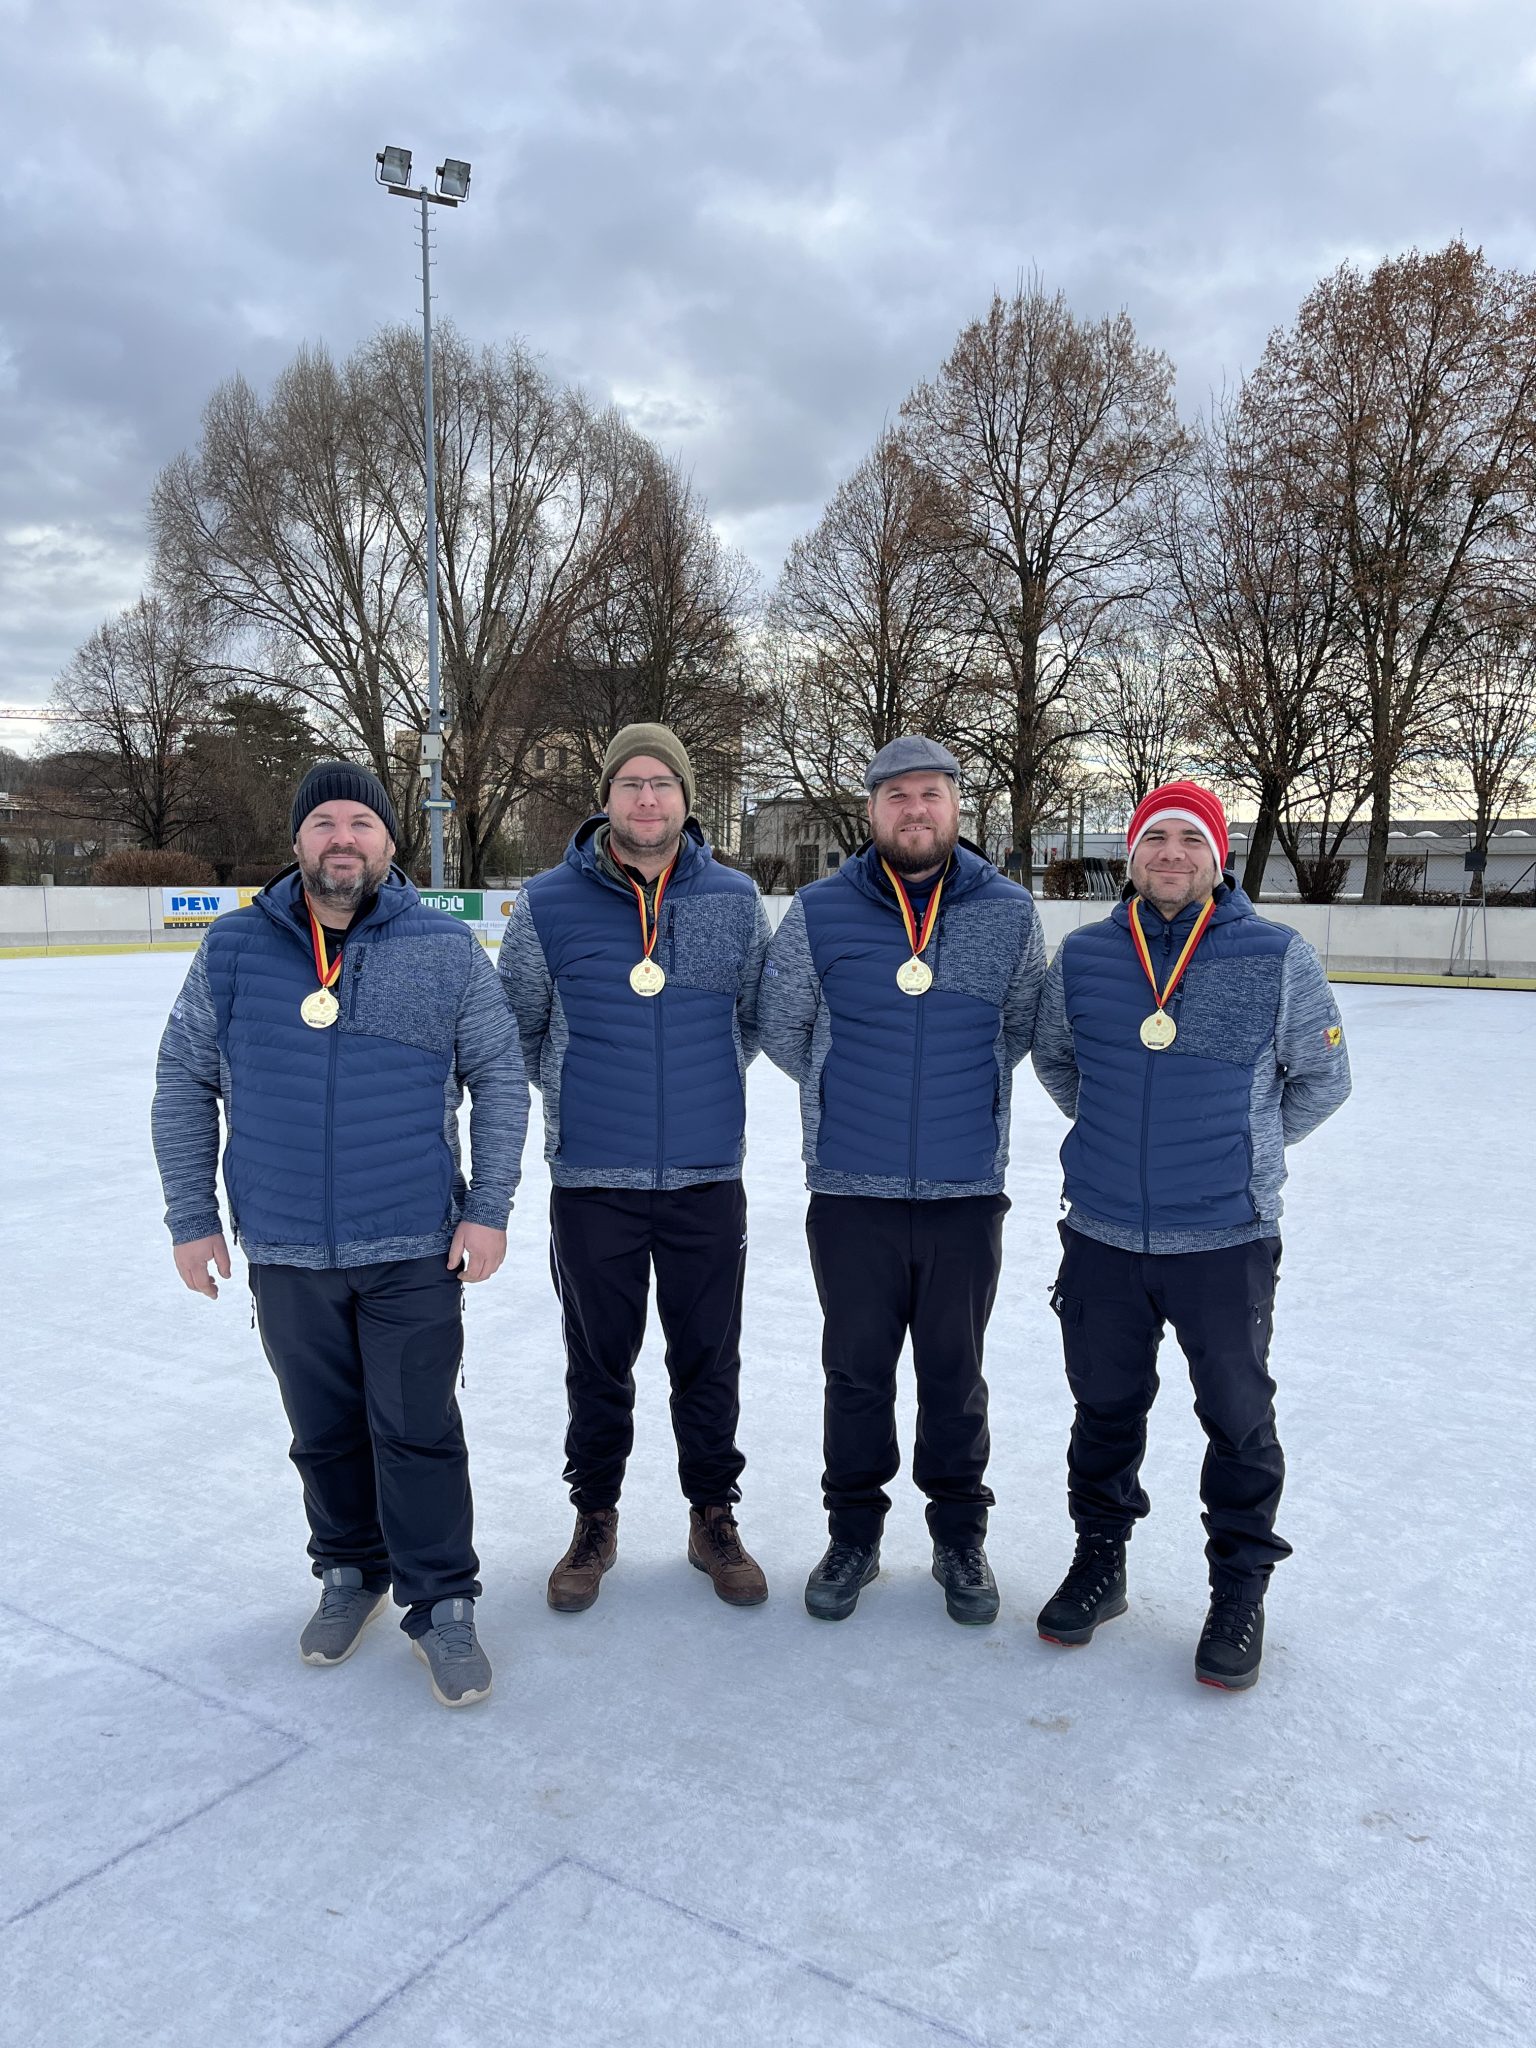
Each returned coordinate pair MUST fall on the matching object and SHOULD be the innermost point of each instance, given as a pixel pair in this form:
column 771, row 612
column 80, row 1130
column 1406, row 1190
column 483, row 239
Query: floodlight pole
column 398, row 162
column 434, row 685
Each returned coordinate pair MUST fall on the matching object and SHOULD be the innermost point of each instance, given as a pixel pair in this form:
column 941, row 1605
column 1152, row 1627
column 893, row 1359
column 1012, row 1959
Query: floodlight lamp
column 394, row 166
column 453, row 178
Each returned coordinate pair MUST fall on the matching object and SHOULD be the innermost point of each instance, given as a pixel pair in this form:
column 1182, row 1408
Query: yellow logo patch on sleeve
column 1335, row 1036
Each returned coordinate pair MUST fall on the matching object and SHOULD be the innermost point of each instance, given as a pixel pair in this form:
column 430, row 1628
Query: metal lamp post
column 393, row 172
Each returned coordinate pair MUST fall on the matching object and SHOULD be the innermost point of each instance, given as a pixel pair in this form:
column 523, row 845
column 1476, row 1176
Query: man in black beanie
column 339, row 1021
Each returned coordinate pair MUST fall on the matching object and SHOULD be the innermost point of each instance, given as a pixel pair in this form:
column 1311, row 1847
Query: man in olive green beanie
column 632, row 969
column 657, row 741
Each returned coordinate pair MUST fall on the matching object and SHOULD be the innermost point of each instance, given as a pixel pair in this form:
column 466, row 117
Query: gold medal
column 646, row 978
column 320, row 1009
column 914, row 977
column 1159, row 1030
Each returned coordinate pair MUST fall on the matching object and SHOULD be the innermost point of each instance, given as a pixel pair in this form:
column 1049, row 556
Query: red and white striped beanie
column 1183, row 803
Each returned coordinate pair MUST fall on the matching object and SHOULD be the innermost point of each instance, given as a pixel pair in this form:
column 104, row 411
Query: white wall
column 1349, row 937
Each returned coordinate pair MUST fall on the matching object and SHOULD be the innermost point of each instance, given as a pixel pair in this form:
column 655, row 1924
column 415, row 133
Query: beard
column 664, row 840
column 904, row 854
column 340, row 892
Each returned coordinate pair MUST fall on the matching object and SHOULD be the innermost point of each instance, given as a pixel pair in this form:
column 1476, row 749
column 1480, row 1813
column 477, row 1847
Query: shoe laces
column 1231, row 1620
column 456, row 1638
column 841, row 1559
column 967, row 1567
column 587, row 1544
column 337, row 1602
column 724, row 1538
column 1096, row 1563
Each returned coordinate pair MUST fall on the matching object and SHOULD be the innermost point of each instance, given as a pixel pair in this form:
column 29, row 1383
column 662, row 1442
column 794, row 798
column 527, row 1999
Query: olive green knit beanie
column 661, row 743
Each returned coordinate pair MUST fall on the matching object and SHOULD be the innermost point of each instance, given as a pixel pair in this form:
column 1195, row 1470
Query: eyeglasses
column 635, row 785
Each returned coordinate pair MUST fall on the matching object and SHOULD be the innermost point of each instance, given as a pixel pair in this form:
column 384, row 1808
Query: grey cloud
column 755, row 226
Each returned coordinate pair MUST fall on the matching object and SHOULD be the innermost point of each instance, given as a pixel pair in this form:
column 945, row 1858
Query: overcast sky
column 754, row 223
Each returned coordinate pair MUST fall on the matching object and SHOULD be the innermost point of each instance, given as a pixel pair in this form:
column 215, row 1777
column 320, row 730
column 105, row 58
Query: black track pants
column 1113, row 1306
column 885, row 1269
column 603, row 1243
column 366, row 1359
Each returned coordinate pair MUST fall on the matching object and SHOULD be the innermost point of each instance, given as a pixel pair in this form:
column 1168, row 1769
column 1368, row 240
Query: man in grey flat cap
column 900, row 993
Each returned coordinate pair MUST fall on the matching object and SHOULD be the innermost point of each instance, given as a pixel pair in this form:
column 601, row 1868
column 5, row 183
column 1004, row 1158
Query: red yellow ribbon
column 915, row 939
column 650, row 921
column 1145, row 957
column 326, row 968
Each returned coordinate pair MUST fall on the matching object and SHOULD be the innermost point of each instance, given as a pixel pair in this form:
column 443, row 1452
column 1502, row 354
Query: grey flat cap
column 905, row 757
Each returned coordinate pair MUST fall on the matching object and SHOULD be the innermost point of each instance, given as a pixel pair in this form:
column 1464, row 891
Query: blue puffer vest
column 1163, row 1140
column 336, row 1137
column 910, row 1088
column 649, row 1085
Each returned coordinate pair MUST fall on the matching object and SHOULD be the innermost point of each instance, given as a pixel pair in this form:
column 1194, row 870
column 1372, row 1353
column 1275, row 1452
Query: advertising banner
column 486, row 909
column 193, row 910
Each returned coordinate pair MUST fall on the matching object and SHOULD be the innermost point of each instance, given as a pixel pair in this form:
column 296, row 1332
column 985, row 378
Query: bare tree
column 1412, row 390
column 1256, row 563
column 1485, row 747
column 284, row 528
column 657, row 638
column 1048, row 436
column 869, row 634
column 1141, row 694
column 127, row 702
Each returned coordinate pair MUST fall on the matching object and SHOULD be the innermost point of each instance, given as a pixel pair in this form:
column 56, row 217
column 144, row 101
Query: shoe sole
column 1074, row 1638
column 314, row 1657
column 730, row 1599
column 971, row 1620
column 466, row 1699
column 564, row 1606
column 1242, row 1684
column 845, row 1607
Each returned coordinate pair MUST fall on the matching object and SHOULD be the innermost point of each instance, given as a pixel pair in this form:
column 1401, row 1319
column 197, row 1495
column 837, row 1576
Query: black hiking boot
column 970, row 1591
column 832, row 1591
column 1231, row 1643
column 1093, row 1591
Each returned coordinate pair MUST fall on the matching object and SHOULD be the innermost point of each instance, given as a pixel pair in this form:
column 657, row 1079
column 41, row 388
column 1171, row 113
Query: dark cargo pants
column 1113, row 1306
column 366, row 1359
column 885, row 1269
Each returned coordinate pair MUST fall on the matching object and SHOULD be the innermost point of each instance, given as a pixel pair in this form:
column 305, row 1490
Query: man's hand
column 476, row 1252
column 192, row 1263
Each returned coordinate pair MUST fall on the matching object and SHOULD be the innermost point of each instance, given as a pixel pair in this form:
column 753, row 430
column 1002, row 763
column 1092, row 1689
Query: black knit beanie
column 342, row 782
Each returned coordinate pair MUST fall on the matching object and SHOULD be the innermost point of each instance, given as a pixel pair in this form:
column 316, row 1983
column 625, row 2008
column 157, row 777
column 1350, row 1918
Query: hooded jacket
column 342, row 1145
column 639, row 1091
column 1184, row 1149
column 904, row 1096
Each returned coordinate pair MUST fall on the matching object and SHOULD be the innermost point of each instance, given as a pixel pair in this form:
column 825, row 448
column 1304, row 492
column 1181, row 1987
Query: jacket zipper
column 656, row 1003
column 330, row 1148
column 1146, row 1108
column 917, row 1077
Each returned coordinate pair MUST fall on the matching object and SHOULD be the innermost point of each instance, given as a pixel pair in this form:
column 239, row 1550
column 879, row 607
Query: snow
column 674, row 1820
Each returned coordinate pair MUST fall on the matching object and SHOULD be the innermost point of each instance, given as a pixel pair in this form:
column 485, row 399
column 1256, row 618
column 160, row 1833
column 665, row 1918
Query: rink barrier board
column 1335, row 974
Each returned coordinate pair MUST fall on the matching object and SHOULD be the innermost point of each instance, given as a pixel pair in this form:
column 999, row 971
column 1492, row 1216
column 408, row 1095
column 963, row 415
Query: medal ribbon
column 326, row 969
column 915, row 939
column 1179, row 965
column 650, row 922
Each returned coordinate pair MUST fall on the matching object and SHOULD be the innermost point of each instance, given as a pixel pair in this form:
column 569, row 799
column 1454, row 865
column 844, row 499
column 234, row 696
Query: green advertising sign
column 468, row 904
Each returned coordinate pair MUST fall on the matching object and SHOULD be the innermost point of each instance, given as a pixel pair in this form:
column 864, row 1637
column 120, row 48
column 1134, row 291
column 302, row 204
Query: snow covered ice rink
column 676, row 1822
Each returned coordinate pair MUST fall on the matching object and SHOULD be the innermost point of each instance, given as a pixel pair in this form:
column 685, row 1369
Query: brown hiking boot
column 576, row 1580
column 714, row 1546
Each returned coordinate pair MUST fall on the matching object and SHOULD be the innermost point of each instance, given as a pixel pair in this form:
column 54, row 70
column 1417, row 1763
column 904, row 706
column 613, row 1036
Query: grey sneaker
column 461, row 1671
column 346, row 1608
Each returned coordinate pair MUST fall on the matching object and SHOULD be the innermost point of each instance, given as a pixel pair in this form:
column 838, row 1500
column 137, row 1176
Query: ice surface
column 676, row 1821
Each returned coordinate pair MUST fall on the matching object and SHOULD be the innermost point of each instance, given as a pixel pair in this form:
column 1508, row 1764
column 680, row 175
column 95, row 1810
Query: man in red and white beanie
column 1190, row 1041
column 1183, row 803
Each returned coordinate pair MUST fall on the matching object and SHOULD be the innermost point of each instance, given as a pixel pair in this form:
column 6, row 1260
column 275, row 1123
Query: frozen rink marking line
column 945, row 2029
column 297, row 1747
column 172, row 1827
